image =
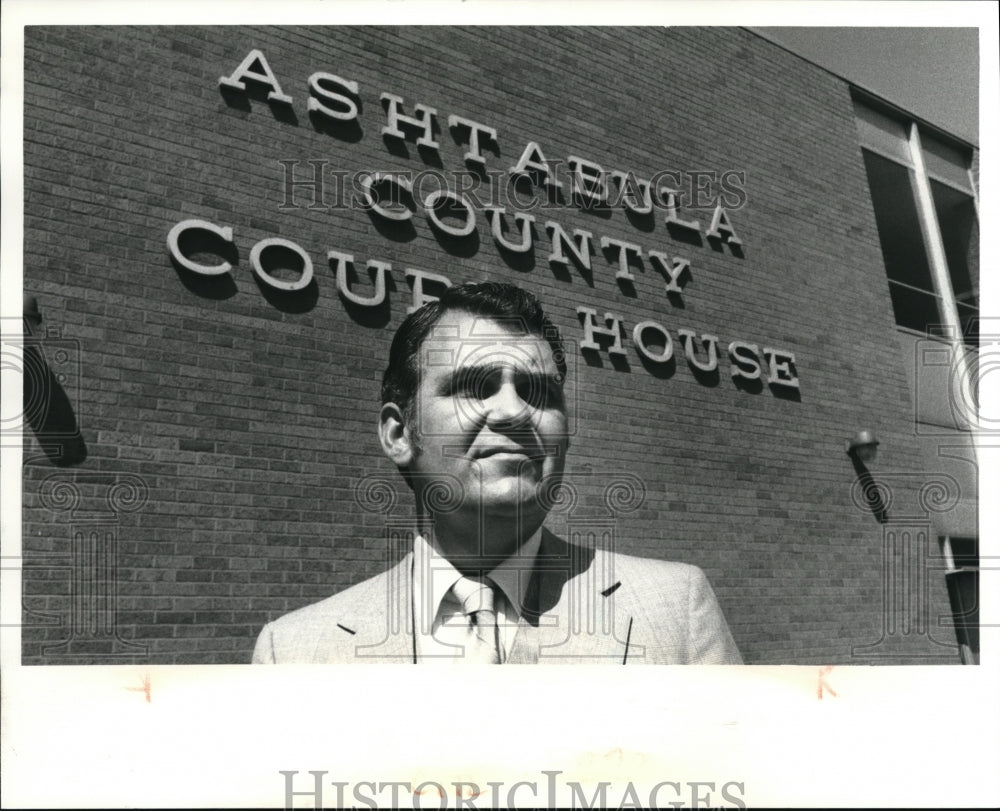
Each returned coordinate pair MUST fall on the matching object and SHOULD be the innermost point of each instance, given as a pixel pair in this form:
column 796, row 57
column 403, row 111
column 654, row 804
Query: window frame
column 911, row 157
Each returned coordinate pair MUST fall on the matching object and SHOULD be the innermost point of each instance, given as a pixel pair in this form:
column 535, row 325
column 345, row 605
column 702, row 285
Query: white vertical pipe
column 941, row 279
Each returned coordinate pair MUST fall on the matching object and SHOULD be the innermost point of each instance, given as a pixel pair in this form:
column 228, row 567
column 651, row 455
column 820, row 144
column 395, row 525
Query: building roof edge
column 861, row 89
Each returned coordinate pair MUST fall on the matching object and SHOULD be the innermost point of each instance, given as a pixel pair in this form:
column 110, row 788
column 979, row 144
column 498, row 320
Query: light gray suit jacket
column 584, row 606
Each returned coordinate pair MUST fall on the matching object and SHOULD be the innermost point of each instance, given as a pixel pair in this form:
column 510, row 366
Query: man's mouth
column 505, row 450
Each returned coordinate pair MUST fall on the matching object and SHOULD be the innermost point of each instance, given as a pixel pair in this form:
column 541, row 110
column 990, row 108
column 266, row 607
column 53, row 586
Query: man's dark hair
column 502, row 302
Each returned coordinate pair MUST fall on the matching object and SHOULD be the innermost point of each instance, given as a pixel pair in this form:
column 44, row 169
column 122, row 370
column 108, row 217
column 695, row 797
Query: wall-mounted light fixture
column 863, row 446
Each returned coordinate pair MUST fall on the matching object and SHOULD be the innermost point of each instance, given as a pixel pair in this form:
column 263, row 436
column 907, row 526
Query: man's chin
column 509, row 501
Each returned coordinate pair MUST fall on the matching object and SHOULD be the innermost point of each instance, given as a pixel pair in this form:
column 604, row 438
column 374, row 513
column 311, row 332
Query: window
column 956, row 216
column 928, row 227
column 962, row 561
column 913, row 298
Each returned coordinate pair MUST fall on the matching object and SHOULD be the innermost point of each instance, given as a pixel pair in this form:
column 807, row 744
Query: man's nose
column 506, row 408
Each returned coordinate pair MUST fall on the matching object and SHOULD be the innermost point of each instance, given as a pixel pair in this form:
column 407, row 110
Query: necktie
column 476, row 599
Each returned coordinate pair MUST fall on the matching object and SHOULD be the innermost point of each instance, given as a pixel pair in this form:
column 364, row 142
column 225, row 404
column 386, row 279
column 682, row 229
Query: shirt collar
column 512, row 576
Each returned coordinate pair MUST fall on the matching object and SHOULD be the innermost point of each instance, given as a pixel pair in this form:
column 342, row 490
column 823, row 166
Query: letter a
column 533, row 161
column 256, row 69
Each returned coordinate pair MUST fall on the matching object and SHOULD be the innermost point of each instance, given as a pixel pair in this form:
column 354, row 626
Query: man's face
column 488, row 416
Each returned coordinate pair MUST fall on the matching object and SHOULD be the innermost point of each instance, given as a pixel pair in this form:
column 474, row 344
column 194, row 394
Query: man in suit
column 473, row 416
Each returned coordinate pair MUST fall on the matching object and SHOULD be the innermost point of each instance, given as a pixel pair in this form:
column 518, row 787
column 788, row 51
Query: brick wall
column 226, row 428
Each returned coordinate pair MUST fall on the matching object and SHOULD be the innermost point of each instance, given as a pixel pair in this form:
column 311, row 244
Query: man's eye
column 475, row 386
column 540, row 392
column 531, row 392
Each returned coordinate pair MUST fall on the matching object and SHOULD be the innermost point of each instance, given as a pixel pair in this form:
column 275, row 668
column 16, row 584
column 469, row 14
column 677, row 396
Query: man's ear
column 394, row 435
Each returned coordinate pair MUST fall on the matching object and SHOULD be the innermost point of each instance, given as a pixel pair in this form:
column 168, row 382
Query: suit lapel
column 383, row 622
column 524, row 650
column 571, row 614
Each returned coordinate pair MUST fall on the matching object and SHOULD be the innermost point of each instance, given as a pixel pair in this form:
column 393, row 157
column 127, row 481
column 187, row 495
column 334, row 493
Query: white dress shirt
column 439, row 626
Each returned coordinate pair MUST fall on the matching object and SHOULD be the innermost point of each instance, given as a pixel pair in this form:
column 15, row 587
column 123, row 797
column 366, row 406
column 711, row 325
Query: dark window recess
column 913, row 300
column 956, row 215
column 914, row 308
column 963, row 592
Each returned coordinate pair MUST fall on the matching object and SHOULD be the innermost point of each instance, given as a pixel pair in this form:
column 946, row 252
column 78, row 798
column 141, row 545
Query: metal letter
column 424, row 120
column 720, row 225
column 316, row 82
column 624, row 249
column 341, row 261
column 580, row 250
column 687, row 338
column 277, row 242
column 205, row 270
column 495, row 215
column 474, row 155
column 591, row 329
column 668, row 344
column 255, row 68
column 470, row 215
column 420, row 298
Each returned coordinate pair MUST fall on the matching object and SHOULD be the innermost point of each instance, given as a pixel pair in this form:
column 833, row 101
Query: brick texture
column 227, row 429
